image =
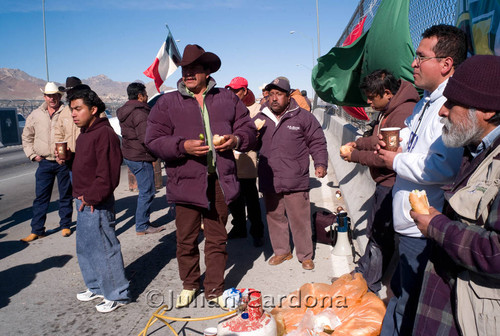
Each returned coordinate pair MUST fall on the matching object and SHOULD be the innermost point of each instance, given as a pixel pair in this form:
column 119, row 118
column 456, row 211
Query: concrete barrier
column 355, row 182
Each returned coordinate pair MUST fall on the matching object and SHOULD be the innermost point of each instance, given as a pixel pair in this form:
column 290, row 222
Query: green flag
column 386, row 45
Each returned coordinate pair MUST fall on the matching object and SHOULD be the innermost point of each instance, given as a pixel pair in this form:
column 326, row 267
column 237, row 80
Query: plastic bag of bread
column 360, row 312
column 326, row 320
column 365, row 318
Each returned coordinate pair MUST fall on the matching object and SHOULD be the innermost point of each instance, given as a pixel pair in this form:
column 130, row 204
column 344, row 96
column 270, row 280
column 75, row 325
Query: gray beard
column 460, row 135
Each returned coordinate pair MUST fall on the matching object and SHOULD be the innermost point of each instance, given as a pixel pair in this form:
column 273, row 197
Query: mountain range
column 17, row 84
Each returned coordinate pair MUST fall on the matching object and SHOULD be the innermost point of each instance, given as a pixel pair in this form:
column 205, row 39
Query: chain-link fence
column 23, row 106
column 26, row 106
column 422, row 14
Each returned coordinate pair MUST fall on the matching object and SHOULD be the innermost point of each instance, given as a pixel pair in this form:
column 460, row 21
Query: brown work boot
column 308, row 264
column 151, row 230
column 278, row 259
column 31, row 237
column 66, row 232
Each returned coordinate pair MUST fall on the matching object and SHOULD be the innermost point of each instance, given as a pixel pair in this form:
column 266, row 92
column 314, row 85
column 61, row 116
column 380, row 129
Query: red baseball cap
column 238, row 83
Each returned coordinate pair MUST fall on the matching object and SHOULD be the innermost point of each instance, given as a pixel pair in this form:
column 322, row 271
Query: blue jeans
column 99, row 252
column 145, row 176
column 45, row 176
column 406, row 284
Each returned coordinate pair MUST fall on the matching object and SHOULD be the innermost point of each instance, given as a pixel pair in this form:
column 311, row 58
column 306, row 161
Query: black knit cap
column 476, row 83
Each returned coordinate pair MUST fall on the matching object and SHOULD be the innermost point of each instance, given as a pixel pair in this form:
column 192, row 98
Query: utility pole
column 315, row 100
column 317, row 27
column 45, row 41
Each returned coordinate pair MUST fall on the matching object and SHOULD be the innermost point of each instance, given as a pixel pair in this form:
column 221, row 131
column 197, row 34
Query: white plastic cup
column 210, row 331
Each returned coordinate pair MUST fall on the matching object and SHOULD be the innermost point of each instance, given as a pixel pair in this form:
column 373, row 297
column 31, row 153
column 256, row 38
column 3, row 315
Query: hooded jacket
column 96, row 167
column 300, row 99
column 285, row 146
column 133, row 117
column 177, row 117
column 38, row 134
column 399, row 108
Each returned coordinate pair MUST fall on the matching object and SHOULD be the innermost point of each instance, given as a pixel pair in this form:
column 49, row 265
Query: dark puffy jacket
column 285, row 149
column 175, row 118
column 133, row 117
column 399, row 108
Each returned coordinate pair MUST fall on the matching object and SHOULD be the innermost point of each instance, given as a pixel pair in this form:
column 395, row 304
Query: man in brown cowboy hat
column 202, row 179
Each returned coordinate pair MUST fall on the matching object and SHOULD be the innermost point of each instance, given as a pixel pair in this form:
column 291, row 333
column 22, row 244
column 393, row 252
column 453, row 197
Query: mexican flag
column 386, row 45
column 165, row 62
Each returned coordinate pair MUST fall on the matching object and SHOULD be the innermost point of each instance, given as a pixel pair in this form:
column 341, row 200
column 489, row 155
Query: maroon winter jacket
column 285, row 149
column 133, row 117
column 399, row 108
column 96, row 167
column 175, row 118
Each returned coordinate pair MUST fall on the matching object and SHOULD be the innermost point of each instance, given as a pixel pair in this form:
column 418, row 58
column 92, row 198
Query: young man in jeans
column 133, row 117
column 96, row 174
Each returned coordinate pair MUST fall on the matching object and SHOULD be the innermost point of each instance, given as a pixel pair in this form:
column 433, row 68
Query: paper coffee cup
column 62, row 150
column 390, row 135
column 210, row 331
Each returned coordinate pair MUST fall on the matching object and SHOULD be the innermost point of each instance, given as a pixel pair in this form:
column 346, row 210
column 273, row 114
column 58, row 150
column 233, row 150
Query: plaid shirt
column 456, row 246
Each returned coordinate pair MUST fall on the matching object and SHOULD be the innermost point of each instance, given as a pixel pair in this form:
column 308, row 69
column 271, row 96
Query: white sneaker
column 87, row 296
column 107, row 306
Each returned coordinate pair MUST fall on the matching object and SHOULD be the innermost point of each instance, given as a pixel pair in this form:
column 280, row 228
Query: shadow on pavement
column 349, row 176
column 314, row 183
column 365, row 209
column 145, row 269
column 241, row 257
column 17, row 278
column 129, row 203
column 23, row 215
column 242, row 253
column 10, row 247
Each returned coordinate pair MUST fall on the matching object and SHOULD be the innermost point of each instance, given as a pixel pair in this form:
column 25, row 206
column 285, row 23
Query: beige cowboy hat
column 51, row 88
column 194, row 53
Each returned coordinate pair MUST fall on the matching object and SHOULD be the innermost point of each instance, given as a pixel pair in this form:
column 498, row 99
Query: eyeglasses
column 419, row 59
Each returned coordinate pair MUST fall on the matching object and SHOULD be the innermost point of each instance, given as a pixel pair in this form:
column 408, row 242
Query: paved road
column 17, row 189
column 39, row 281
column 14, row 164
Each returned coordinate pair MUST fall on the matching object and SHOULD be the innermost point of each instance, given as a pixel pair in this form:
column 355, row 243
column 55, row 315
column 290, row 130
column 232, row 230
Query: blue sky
column 120, row 38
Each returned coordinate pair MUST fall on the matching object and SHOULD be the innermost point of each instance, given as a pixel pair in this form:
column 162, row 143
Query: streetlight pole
column 45, row 41
column 317, row 26
column 315, row 100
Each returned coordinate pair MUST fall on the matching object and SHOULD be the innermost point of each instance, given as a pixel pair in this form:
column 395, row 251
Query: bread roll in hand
column 419, row 202
column 259, row 123
column 346, row 149
column 218, row 140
